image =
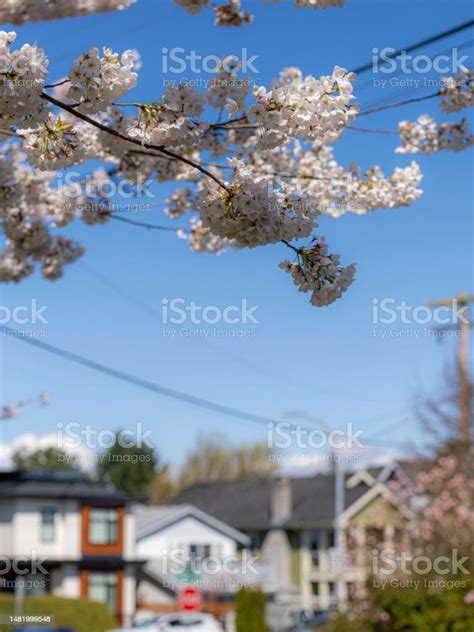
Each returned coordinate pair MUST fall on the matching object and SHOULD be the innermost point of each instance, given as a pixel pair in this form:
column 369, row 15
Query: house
column 185, row 546
column 64, row 535
column 291, row 522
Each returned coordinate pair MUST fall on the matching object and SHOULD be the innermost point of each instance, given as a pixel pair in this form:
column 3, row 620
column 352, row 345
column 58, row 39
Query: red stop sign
column 189, row 599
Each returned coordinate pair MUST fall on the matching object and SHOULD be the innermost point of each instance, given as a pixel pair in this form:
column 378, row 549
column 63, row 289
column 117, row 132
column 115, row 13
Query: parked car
column 43, row 629
column 177, row 622
column 189, row 622
column 309, row 620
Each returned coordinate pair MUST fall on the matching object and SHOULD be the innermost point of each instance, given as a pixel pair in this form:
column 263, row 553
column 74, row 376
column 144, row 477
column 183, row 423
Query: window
column 103, row 588
column 200, row 551
column 103, row 526
column 47, row 524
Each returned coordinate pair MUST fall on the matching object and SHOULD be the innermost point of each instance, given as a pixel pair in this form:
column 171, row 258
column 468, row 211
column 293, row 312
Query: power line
column 368, row 83
column 137, row 381
column 150, row 311
column 148, row 385
column 420, row 44
column 236, row 359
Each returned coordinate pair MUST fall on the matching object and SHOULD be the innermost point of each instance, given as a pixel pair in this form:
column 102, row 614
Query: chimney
column 281, row 503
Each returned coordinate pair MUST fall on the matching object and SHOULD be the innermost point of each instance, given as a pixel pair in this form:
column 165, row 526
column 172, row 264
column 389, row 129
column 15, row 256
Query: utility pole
column 463, row 325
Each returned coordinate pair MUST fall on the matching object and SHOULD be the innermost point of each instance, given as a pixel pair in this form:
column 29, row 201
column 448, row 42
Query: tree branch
column 113, row 132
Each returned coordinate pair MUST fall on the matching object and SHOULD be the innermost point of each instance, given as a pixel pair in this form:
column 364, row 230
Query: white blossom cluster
column 313, row 4
column 425, row 136
column 360, row 194
column 96, row 82
column 54, row 144
column 265, row 175
column 319, row 272
column 458, row 91
column 170, row 122
column 21, row 11
column 227, row 89
column 252, row 211
column 201, row 239
column 33, row 207
column 231, row 13
column 22, row 74
column 179, row 203
column 334, row 190
column 193, row 6
column 316, row 110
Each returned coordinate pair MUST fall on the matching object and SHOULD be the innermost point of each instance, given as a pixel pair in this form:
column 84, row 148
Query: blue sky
column 330, row 362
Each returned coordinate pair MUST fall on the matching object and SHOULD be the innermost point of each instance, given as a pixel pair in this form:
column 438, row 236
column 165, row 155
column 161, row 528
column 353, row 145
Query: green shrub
column 79, row 614
column 250, row 611
column 419, row 609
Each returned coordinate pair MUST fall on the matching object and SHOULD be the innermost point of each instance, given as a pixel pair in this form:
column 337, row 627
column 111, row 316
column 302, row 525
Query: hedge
column 79, row 614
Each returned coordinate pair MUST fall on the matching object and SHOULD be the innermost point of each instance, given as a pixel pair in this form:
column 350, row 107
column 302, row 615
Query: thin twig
column 144, row 224
column 287, row 243
column 226, row 123
column 114, row 132
column 59, row 83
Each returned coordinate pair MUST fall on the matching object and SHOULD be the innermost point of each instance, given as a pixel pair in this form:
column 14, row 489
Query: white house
column 184, row 546
column 63, row 535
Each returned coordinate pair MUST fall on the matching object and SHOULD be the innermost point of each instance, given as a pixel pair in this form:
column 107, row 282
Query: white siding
column 181, row 535
column 27, row 530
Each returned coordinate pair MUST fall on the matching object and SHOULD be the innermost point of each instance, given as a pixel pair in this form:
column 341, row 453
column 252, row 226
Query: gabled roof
column 246, row 504
column 151, row 520
column 60, row 485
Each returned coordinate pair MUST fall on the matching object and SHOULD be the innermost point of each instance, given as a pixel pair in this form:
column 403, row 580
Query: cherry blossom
column 267, row 174
column 53, row 144
column 231, row 12
column 316, row 110
column 458, row 91
column 22, row 73
column 96, row 82
column 20, row 11
column 319, row 272
column 252, row 211
column 425, row 136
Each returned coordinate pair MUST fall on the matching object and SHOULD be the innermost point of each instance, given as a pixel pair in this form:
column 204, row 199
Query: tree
column 440, row 417
column 213, row 459
column 250, row 611
column 44, row 459
column 127, row 466
column 440, row 535
column 279, row 180
column 228, row 12
column 163, row 487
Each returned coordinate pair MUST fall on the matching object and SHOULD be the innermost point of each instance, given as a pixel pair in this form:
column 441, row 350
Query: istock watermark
column 179, row 60
column 389, row 311
column 443, row 320
column 180, row 561
column 23, row 565
column 212, row 321
column 403, row 569
column 177, row 311
column 75, row 435
column 31, row 314
column 285, row 435
column 384, row 61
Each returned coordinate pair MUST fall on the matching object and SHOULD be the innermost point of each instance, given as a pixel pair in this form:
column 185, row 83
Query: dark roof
column 59, row 485
column 413, row 468
column 246, row 504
